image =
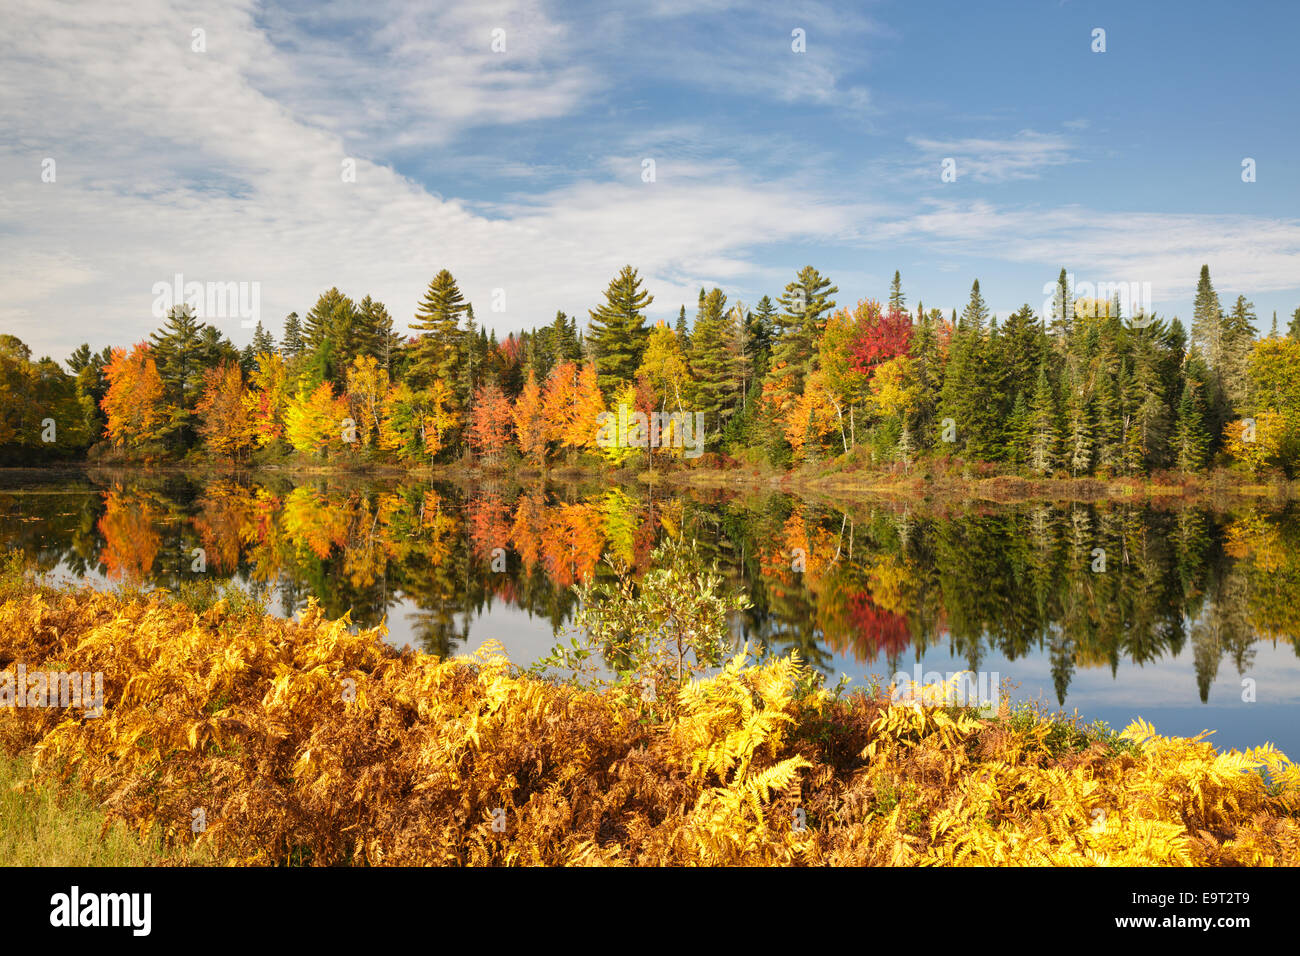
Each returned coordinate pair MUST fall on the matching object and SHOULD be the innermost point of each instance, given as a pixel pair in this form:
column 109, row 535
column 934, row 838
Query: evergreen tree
column 376, row 336
column 713, row 363
column 683, row 333
column 1209, row 335
column 1239, row 339
column 1044, row 427
column 330, row 337
column 263, row 342
column 1293, row 330
column 897, row 300
column 805, row 304
column 180, row 353
column 760, row 327
column 618, row 330
column 1079, row 437
column 292, row 344
column 437, row 351
column 1190, row 439
column 1062, row 312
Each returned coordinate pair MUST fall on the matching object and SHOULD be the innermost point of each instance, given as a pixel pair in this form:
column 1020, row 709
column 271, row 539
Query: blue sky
column 521, row 170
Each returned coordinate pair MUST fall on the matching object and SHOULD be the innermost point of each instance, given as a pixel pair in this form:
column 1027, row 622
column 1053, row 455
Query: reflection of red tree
column 526, row 531
column 131, row 538
column 489, row 524
column 572, row 542
column 225, row 511
column 872, row 630
column 643, row 543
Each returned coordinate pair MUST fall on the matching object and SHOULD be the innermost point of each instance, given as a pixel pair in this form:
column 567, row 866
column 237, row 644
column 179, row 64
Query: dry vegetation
column 306, row 744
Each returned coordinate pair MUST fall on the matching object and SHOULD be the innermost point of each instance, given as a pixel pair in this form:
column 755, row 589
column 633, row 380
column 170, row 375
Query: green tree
column 618, row 330
column 437, row 351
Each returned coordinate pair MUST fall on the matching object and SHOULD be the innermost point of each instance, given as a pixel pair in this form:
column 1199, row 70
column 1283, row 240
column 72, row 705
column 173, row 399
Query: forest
column 1081, row 391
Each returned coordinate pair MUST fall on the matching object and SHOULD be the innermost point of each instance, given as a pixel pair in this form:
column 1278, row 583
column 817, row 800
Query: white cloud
column 1022, row 156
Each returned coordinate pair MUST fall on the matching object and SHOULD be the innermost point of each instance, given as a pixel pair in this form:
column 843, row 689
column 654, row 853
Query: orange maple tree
column 133, row 404
column 489, row 427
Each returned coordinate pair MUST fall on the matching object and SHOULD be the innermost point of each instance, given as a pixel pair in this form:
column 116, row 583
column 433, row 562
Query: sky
column 291, row 147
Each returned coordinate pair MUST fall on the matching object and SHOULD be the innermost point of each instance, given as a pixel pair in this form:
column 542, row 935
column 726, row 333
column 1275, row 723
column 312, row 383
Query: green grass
column 46, row 825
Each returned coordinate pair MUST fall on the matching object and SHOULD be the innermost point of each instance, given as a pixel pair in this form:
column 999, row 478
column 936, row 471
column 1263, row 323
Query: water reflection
column 869, row 588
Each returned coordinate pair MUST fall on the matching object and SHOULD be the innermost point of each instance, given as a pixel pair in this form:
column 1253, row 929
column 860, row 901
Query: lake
column 1185, row 616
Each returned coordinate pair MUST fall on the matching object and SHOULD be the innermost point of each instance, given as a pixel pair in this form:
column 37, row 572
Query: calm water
column 1193, row 610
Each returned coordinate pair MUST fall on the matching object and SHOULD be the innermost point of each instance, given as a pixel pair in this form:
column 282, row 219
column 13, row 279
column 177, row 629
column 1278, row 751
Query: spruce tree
column 263, row 342
column 1062, row 312
column 1044, row 427
column 330, row 336
column 1190, row 439
column 437, row 351
column 897, row 301
column 683, row 333
column 805, row 304
column 713, row 363
column 760, row 327
column 179, row 351
column 618, row 330
column 292, row 344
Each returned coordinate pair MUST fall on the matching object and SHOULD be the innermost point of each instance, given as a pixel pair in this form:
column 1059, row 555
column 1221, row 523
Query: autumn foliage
column 306, row 743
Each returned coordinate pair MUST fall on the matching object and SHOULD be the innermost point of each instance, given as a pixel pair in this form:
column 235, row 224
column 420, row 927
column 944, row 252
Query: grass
column 42, row 824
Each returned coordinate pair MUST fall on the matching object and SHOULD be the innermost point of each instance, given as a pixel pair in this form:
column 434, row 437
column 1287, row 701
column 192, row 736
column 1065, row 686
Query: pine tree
column 976, row 314
column 618, row 330
column 1044, row 428
column 1239, row 339
column 437, row 351
column 1190, row 439
column 330, row 335
column 896, row 298
column 179, row 351
column 1062, row 312
column 473, row 354
column 292, row 344
column 683, row 333
column 805, row 304
column 375, row 333
column 1079, row 438
column 1293, row 330
column 760, row 327
column 263, row 342
column 713, row 363
column 1209, row 335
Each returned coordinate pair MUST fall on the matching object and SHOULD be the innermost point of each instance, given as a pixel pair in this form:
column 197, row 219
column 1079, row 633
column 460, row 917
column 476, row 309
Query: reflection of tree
column 875, row 582
column 131, row 526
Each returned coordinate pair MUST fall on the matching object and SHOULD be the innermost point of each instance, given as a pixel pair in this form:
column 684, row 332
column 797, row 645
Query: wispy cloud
column 1022, row 156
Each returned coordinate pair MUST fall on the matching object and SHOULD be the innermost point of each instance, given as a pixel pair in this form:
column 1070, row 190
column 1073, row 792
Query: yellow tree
column 267, row 398
column 893, row 389
column 665, row 366
column 1257, row 442
column 367, row 387
column 417, row 423
column 530, row 421
column 314, row 420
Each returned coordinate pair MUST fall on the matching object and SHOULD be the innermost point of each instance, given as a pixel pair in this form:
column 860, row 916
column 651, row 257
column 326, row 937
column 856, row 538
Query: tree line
column 1082, row 390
